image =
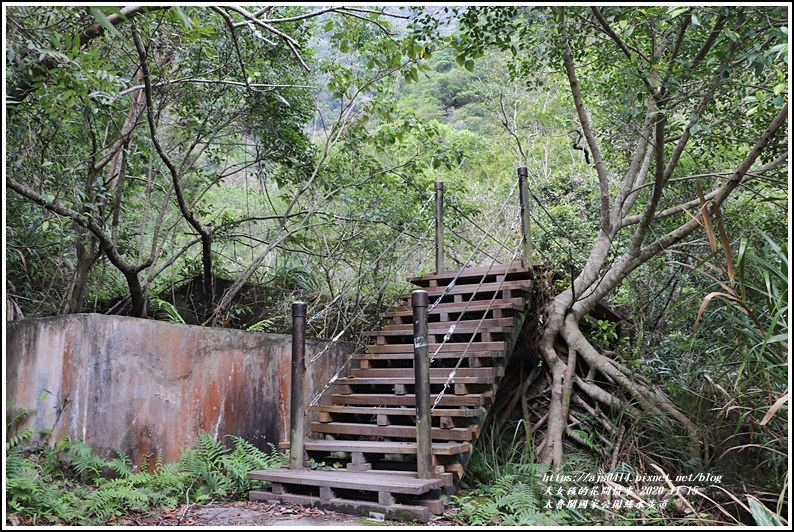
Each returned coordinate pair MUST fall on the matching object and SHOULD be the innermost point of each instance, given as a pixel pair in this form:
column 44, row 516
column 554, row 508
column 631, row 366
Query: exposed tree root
column 579, row 388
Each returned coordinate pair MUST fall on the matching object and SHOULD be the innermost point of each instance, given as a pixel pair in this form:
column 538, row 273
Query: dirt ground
column 245, row 513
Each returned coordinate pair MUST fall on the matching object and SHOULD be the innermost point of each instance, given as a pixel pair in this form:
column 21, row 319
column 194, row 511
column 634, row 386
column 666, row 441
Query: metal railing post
column 296, row 411
column 439, row 226
column 424, row 438
column 524, row 199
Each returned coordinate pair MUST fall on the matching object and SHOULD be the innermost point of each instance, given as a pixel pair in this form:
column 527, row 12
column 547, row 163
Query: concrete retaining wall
column 151, row 387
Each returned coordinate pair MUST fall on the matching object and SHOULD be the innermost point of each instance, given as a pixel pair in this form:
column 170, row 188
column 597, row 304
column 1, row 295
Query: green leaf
column 676, row 11
column 185, row 19
column 469, row 65
column 104, row 22
column 762, row 515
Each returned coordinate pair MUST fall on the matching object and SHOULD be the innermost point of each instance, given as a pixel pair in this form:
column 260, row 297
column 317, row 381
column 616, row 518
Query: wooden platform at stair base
column 365, row 455
column 397, row 495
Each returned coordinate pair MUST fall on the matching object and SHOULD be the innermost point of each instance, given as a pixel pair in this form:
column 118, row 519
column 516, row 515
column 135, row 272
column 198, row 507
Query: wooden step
column 394, row 431
column 449, row 347
column 468, row 275
column 399, row 494
column 385, row 399
column 365, row 481
column 388, row 411
column 443, row 327
column 435, row 373
column 385, row 456
column 473, row 353
column 441, row 379
column 473, row 328
column 513, row 304
column 485, row 288
column 383, row 447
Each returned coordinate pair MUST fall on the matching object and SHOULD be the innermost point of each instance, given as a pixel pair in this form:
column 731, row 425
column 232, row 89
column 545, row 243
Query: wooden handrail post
column 439, row 226
column 523, row 194
column 296, row 411
column 424, row 437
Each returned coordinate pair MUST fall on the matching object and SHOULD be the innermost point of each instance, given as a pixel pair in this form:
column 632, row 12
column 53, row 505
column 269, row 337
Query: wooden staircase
column 369, row 430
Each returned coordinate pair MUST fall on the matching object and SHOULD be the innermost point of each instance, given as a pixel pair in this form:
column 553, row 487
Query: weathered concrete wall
column 148, row 386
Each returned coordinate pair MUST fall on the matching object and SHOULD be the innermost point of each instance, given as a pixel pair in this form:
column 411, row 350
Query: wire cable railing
column 373, row 262
column 477, row 248
column 473, row 252
column 465, row 351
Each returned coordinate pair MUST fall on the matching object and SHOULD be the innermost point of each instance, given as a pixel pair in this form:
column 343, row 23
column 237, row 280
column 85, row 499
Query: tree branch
column 206, row 237
column 587, row 130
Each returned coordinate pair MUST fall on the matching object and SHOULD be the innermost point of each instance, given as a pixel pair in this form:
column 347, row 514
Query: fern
column 80, row 456
column 170, row 311
column 18, row 439
column 50, row 486
column 114, row 499
column 14, row 420
column 264, row 325
column 122, row 464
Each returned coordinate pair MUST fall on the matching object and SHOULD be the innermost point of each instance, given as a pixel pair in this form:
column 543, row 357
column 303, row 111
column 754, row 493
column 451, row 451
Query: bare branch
column 724, row 191
column 291, row 42
column 584, row 120
column 206, row 237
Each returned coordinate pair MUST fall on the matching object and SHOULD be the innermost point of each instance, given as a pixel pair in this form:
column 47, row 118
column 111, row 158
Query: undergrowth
column 68, row 484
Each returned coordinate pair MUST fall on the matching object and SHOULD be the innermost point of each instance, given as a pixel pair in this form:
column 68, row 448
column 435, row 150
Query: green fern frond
column 262, row 326
column 170, row 311
column 18, row 439
column 210, row 448
column 15, row 419
column 121, row 464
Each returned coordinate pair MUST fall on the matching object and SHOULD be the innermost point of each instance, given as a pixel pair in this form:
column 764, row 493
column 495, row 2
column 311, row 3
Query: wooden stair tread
column 472, row 400
column 473, row 352
column 442, row 327
column 484, row 288
column 392, row 411
column 393, row 431
column 516, row 303
column 484, row 379
column 385, row 447
column 435, row 373
column 470, row 273
column 472, row 329
column 449, row 347
column 366, row 481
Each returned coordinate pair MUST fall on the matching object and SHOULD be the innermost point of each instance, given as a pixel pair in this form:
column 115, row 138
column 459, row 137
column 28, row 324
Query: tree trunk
column 87, row 255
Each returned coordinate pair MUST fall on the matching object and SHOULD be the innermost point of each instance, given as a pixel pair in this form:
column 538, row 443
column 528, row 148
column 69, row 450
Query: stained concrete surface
column 150, row 388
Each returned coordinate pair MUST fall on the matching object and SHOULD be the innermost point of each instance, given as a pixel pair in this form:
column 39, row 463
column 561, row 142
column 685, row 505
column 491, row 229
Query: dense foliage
column 67, row 484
